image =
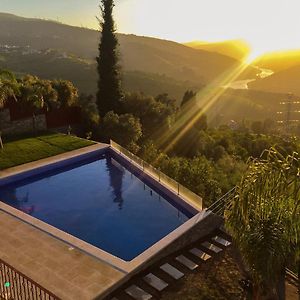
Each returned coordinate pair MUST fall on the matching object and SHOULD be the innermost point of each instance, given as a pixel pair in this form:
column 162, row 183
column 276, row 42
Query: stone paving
column 66, row 272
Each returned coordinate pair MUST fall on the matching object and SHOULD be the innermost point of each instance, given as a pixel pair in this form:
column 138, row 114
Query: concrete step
column 155, row 282
column 200, row 254
column 172, row 271
column 187, row 262
column 221, row 241
column 137, row 293
column 212, row 247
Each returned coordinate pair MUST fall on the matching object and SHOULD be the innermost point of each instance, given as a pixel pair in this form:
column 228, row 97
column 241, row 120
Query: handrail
column 158, row 175
column 292, row 275
column 224, row 202
column 14, row 285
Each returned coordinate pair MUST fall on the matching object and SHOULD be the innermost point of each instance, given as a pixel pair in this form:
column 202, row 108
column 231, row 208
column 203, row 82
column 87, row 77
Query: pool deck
column 65, row 271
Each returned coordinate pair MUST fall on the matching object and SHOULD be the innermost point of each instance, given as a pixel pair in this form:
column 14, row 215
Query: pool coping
column 126, row 267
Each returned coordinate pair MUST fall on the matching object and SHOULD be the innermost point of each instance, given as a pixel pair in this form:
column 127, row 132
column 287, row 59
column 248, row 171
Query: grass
column 27, row 149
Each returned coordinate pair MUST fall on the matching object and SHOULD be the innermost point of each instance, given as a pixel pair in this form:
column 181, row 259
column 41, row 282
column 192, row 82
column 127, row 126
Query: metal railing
column 14, row 285
column 159, row 176
column 219, row 207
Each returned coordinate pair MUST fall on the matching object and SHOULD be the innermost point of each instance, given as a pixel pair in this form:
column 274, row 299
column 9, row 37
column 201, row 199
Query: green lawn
column 27, row 149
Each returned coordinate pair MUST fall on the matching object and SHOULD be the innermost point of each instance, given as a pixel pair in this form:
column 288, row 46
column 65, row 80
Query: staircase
column 163, row 275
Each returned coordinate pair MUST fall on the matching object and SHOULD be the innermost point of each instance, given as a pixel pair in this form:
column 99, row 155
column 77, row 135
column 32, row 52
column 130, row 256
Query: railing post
column 177, row 188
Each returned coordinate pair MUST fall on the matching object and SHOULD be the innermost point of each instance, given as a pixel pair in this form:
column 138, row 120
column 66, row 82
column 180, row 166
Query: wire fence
column 159, row 176
column 16, row 286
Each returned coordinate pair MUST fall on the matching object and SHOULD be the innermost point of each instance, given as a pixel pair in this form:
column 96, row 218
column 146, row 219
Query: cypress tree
column 109, row 83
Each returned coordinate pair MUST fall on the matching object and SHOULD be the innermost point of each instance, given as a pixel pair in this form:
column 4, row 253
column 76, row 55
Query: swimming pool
column 101, row 201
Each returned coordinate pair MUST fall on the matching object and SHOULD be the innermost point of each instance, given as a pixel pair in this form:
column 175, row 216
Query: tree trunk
column 280, row 288
column 298, row 279
column 33, row 123
column 1, row 142
column 256, row 293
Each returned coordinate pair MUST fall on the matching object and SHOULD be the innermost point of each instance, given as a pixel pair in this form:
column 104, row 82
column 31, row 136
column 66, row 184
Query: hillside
column 285, row 81
column 279, row 61
column 51, row 64
column 148, row 55
column 244, row 105
column 236, row 49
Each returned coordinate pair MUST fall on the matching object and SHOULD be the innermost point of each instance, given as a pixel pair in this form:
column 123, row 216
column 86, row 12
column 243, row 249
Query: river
column 243, row 84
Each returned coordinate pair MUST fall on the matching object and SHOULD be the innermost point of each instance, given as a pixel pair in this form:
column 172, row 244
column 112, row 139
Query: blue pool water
column 100, row 202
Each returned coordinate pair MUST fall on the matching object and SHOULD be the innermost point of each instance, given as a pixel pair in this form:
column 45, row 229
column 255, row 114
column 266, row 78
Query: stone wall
column 20, row 126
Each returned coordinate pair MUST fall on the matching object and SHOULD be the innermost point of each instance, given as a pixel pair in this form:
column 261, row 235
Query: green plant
column 264, row 220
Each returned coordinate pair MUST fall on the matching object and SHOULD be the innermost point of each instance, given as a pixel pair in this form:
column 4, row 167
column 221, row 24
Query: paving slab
column 172, row 271
column 200, row 254
column 187, row 262
column 221, row 241
column 211, row 247
column 155, row 282
column 137, row 293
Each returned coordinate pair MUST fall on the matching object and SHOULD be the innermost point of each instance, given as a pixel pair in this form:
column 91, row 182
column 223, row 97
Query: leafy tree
column 89, row 113
column 109, row 84
column 9, row 88
column 188, row 95
column 201, row 123
column 165, row 99
column 153, row 113
column 38, row 93
column 124, row 129
column 67, row 93
column 264, row 220
column 257, row 127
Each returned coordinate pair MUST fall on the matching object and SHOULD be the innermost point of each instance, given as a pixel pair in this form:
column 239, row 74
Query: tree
column 257, row 127
column 9, row 88
column 67, row 93
column 37, row 94
column 109, row 84
column 264, row 220
column 188, row 95
column 124, row 129
column 154, row 113
column 89, row 113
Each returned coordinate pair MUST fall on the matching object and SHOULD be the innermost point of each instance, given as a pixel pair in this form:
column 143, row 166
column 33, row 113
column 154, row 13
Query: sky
column 267, row 25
